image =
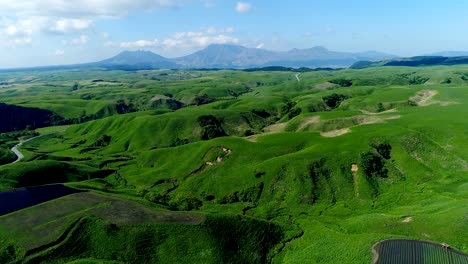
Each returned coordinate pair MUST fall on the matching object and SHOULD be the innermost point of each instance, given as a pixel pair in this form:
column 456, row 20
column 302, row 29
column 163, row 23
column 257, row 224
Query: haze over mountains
column 235, row 56
column 229, row 56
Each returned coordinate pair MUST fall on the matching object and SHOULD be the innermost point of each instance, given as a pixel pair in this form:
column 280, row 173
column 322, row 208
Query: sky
column 56, row 32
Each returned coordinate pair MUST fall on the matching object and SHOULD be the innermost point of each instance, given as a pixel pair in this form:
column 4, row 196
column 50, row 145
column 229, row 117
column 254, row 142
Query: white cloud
column 59, row 52
column 64, row 25
column 21, row 19
column 259, row 46
column 243, row 7
column 140, row 44
column 83, row 8
column 197, row 39
column 82, row 40
column 16, row 32
column 182, row 40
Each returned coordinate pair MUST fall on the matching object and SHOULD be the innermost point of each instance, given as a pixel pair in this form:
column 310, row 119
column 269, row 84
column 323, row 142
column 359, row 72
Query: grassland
column 301, row 163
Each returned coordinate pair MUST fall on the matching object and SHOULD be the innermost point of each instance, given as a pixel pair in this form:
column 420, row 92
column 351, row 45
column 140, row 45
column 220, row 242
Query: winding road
column 19, row 155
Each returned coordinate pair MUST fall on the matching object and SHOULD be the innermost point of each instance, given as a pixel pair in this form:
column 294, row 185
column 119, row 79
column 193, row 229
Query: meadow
column 266, row 167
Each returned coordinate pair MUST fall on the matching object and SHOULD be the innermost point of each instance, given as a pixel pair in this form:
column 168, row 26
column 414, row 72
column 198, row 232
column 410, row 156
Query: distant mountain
column 413, row 62
column 449, row 54
column 230, row 56
column 136, row 60
column 235, row 56
column 226, row 56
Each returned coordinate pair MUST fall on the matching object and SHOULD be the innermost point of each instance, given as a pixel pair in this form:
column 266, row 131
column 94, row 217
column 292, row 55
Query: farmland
column 226, row 166
column 412, row 251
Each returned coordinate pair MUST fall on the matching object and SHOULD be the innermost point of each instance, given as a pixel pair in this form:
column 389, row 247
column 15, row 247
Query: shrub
column 287, row 107
column 412, row 103
column 294, row 112
column 75, row 87
column 261, row 113
column 342, row 82
column 153, row 197
column 334, row 100
column 373, row 164
column 103, row 141
column 380, row 107
column 179, row 142
column 384, row 150
column 211, row 127
column 202, row 99
column 418, row 80
column 447, row 81
column 185, row 201
column 248, row 132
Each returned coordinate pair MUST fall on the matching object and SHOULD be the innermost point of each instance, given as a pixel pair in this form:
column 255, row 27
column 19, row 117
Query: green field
column 238, row 167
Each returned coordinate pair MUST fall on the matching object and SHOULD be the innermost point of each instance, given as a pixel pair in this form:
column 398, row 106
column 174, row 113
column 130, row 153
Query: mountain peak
column 231, row 55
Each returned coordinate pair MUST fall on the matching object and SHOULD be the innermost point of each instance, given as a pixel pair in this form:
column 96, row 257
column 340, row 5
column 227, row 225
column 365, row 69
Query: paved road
column 19, row 155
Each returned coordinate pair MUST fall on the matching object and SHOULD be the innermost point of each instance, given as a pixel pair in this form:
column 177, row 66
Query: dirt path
column 297, row 77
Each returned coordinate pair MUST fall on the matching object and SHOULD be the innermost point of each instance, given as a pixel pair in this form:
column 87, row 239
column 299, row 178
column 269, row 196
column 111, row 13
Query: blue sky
column 47, row 32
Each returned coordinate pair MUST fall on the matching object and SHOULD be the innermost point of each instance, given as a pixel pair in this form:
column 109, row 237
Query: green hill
column 322, row 168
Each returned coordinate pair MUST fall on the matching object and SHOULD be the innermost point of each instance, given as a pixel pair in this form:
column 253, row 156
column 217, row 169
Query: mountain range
column 239, row 57
column 235, row 56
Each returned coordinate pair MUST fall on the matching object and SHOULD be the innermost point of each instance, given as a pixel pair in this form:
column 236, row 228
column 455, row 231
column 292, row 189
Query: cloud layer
column 21, row 20
column 82, row 8
column 183, row 40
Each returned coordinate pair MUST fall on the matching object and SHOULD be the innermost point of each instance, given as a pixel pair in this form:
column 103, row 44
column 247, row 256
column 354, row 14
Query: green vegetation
column 238, row 166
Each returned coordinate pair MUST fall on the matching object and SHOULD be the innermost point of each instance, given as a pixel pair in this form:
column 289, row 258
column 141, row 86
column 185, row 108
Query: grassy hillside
column 337, row 161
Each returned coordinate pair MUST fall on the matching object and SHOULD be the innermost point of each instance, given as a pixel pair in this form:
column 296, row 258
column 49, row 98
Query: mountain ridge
column 228, row 56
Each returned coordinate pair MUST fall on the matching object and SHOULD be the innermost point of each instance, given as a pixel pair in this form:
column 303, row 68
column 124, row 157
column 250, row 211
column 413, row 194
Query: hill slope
column 414, row 62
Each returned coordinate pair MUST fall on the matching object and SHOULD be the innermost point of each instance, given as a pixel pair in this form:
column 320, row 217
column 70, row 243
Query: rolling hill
column 413, row 62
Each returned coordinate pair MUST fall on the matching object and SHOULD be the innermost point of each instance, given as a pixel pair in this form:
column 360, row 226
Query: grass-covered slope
column 98, row 228
column 342, row 158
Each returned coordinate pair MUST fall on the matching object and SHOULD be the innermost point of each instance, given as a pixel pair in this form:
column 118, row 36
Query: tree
column 334, row 100
column 373, row 165
column 384, row 150
column 75, row 86
column 380, row 107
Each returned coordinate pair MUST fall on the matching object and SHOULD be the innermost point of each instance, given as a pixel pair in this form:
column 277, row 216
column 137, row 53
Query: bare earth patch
column 308, row 121
column 359, row 120
column 335, row 133
column 275, row 128
column 424, row 97
column 394, row 110
column 408, row 219
column 325, row 85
